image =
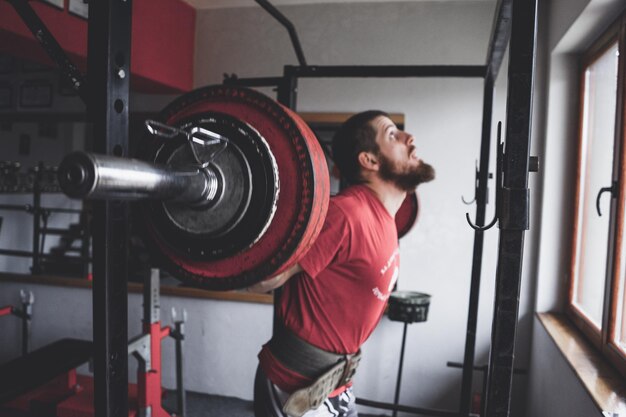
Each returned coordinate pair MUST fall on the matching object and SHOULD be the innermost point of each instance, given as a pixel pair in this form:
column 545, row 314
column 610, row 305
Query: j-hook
column 499, row 176
column 612, row 189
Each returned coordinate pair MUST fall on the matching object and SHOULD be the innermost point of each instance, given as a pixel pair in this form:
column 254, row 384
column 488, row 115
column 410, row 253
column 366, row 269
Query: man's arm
column 275, row 282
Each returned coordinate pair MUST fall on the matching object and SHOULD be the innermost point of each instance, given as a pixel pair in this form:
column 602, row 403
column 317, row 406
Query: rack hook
column 481, row 228
column 612, row 189
column 499, row 176
column 467, row 203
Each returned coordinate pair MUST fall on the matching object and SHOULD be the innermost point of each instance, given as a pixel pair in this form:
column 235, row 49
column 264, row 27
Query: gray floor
column 198, row 405
column 203, row 405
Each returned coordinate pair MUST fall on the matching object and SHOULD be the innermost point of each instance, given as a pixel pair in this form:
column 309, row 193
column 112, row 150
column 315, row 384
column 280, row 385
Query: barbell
column 231, row 187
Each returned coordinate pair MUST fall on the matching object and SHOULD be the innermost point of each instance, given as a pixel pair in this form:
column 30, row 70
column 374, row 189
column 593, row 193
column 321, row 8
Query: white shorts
column 269, row 400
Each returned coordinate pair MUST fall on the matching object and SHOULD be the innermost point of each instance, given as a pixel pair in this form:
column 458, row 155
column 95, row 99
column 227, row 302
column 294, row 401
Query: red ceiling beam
column 162, row 51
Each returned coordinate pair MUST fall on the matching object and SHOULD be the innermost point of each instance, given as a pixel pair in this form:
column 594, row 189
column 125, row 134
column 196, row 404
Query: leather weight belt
column 328, row 370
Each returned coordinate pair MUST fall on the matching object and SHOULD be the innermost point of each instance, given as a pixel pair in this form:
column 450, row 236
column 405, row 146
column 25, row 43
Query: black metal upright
column 500, row 36
column 108, row 74
column 514, row 205
column 479, row 238
column 293, row 35
column 287, row 93
column 50, row 45
column 37, row 215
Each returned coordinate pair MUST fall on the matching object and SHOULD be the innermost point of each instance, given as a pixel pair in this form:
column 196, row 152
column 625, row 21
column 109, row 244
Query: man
column 334, row 297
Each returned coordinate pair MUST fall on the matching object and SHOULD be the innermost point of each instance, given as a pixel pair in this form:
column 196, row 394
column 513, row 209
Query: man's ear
column 368, row 161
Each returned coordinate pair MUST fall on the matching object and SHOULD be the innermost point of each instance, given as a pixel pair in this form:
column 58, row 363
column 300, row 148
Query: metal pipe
column 181, row 403
column 287, row 92
column 29, row 254
column 252, row 82
column 407, row 409
column 396, row 398
column 293, row 35
column 27, row 312
column 515, row 203
column 500, row 36
column 360, row 71
column 481, row 204
column 386, row 71
column 37, row 216
column 51, row 46
column 91, row 176
column 108, row 52
column 30, row 209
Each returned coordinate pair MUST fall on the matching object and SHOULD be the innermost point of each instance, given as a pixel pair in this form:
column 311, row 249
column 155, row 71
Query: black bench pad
column 42, row 365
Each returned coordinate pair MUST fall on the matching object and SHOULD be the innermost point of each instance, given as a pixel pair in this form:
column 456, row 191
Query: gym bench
column 41, row 366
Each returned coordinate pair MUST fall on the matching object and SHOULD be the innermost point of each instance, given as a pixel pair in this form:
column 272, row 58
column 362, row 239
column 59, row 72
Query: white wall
column 445, row 116
column 556, row 390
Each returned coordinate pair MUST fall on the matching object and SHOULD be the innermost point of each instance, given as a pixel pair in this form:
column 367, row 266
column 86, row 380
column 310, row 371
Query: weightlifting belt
column 329, row 370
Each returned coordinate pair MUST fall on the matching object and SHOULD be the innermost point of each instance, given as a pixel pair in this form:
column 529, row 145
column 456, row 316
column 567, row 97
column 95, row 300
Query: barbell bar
column 230, row 187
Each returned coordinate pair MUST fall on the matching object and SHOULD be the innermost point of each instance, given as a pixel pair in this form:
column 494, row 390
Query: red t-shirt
column 349, row 272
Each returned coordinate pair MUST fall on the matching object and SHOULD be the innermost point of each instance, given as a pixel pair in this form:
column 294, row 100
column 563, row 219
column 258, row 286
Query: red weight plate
column 302, row 200
column 407, row 214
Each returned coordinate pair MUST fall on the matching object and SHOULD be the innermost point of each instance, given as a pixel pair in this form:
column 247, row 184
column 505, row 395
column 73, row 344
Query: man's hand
column 275, row 282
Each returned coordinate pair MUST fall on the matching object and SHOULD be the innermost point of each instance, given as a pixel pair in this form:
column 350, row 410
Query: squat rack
column 514, row 21
column 106, row 96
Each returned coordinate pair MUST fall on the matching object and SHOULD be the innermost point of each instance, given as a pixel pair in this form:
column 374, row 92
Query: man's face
column 397, row 156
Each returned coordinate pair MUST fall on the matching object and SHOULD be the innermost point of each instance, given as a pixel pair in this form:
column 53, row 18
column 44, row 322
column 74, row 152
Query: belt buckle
column 351, row 363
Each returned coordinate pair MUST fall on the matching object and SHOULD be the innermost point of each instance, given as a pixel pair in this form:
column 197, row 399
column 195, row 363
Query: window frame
column 603, row 339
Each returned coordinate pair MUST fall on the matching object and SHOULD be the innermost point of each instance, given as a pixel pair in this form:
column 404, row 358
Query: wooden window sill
column 134, row 287
column 605, row 385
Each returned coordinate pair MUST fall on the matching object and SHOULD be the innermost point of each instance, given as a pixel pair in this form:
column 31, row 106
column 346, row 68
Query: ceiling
column 218, row 4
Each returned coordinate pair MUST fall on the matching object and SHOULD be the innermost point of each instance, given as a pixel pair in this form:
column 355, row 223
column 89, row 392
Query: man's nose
column 409, row 138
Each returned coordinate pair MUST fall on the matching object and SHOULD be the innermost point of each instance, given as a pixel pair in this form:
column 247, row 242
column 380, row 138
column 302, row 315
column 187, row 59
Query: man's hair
column 356, row 135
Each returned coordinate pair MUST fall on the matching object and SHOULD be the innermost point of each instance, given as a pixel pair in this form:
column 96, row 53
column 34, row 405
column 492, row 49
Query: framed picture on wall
column 29, row 66
column 59, row 4
column 79, row 8
column 6, row 96
column 48, row 130
column 7, row 64
column 36, row 94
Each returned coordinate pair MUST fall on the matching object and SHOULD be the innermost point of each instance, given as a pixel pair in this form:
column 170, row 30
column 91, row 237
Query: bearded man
column 334, row 297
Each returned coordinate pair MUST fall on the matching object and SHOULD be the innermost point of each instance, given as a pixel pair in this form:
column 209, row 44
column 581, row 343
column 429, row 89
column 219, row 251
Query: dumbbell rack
column 39, row 180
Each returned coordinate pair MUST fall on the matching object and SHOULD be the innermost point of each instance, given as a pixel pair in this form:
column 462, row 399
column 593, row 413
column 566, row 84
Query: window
column 598, row 267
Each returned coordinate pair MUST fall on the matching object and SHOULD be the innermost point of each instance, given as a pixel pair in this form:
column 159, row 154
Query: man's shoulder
column 352, row 204
column 346, row 201
column 353, row 197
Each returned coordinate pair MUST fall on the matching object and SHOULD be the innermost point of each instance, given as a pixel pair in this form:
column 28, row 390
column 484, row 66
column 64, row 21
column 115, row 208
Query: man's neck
column 388, row 194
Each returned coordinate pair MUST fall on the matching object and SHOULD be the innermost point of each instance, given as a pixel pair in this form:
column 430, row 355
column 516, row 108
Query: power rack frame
column 106, row 92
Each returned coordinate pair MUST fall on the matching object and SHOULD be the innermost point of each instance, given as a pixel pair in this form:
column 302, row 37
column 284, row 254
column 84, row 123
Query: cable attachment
column 196, row 136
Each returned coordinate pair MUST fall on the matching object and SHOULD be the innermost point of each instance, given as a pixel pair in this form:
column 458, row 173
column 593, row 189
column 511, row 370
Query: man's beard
column 407, row 180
